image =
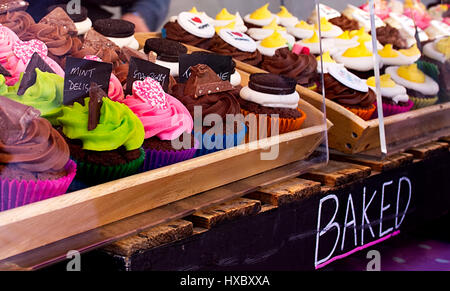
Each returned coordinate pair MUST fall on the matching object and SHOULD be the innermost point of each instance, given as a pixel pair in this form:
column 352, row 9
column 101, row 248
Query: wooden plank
column 375, row 163
column 156, row 236
column 211, row 216
column 427, row 150
column 286, row 192
column 338, row 173
column 445, row 139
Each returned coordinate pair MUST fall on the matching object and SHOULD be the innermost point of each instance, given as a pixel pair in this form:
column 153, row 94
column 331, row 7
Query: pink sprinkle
column 92, row 58
column 24, row 50
column 305, row 51
column 297, row 49
column 150, row 91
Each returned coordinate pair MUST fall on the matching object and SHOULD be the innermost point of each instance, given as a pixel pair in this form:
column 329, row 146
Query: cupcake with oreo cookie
column 191, row 29
column 81, row 19
column 167, row 53
column 119, row 31
column 274, row 101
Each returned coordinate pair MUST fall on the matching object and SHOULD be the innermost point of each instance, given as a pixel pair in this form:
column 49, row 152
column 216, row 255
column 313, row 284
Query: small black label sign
column 141, row 69
column 220, row 64
column 79, row 74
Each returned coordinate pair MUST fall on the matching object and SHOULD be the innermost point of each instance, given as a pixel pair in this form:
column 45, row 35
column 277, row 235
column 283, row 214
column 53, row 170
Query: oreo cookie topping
column 272, row 84
column 167, row 50
column 114, row 27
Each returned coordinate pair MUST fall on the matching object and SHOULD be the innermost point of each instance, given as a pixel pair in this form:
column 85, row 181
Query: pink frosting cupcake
column 422, row 20
column 165, row 119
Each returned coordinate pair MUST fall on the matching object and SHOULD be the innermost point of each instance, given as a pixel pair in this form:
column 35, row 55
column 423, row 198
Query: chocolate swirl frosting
column 303, row 68
column 346, row 96
column 18, row 21
column 345, row 23
column 28, row 141
column 218, row 45
column 391, row 35
column 175, row 32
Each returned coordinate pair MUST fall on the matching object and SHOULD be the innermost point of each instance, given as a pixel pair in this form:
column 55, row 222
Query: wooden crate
column 38, row 224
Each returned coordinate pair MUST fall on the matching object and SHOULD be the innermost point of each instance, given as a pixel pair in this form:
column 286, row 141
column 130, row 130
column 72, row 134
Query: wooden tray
column 38, row 224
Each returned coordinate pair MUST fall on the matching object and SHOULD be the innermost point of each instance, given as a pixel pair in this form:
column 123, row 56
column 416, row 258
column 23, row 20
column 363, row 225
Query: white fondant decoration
column 408, row 25
column 239, row 40
column 364, row 17
column 348, row 79
column 196, row 24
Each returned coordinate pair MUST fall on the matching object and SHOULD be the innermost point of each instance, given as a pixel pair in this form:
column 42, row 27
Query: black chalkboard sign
column 79, row 74
column 141, row 69
column 220, row 64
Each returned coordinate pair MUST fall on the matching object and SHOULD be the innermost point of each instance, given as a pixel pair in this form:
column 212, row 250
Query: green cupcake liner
column 429, row 69
column 97, row 174
column 423, row 102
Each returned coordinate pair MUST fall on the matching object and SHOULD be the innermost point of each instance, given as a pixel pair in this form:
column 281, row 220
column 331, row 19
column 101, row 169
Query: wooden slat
column 338, row 173
column 233, row 209
column 445, row 139
column 286, row 192
column 375, row 163
column 427, row 150
column 156, row 236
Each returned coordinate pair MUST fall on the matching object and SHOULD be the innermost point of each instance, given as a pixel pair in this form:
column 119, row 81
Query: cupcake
column 260, row 17
column 407, row 28
column 363, row 37
column 395, row 99
column 438, row 53
column 167, row 53
column 301, row 67
column 237, row 45
column 327, row 29
column 313, row 44
column 34, row 158
column 189, row 28
column 345, row 23
column 17, row 21
column 381, row 9
column 286, row 18
column 438, row 29
column 421, row 89
column 224, row 18
column 260, row 33
column 165, row 119
column 104, row 137
column 217, row 100
column 391, row 35
column 81, row 19
column 359, row 60
column 269, row 45
column 274, row 101
column 345, row 41
column 391, row 57
column 325, row 11
column 301, row 30
column 363, row 17
column 354, row 95
column 420, row 16
column 119, row 31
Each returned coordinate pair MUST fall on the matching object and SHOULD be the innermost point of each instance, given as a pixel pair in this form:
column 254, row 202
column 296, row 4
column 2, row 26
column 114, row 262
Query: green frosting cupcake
column 46, row 94
column 118, row 126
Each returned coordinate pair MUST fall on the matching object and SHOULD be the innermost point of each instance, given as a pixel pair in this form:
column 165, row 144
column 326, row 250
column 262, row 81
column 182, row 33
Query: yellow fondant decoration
column 194, row 10
column 304, row 25
column 411, row 73
column 274, row 40
column 443, row 46
column 284, row 12
column 313, row 39
column 274, row 26
column 412, row 51
column 385, row 81
column 230, row 25
column 326, row 58
column 362, row 35
column 325, row 25
column 357, row 52
column 388, row 52
column 261, row 13
column 345, row 35
column 225, row 15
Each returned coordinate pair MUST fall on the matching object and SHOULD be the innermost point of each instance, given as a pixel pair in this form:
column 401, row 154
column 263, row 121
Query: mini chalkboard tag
column 4, row 71
column 222, row 65
column 141, row 69
column 79, row 74
column 29, row 76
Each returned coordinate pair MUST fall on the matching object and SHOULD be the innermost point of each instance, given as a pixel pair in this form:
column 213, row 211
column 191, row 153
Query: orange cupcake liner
column 364, row 113
column 284, row 124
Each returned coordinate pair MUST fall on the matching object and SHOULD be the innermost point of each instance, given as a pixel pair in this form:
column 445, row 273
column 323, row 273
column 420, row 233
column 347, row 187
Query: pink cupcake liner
column 16, row 193
column 392, row 109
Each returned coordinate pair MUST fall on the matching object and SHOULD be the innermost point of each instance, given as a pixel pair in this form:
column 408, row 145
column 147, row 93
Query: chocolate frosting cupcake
column 345, row 23
column 175, row 32
column 218, row 45
column 18, row 21
column 303, row 68
column 344, row 95
column 391, row 35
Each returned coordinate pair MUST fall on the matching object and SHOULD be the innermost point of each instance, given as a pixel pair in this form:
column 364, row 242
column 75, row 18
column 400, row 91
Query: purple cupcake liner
column 391, row 109
column 16, row 193
column 155, row 159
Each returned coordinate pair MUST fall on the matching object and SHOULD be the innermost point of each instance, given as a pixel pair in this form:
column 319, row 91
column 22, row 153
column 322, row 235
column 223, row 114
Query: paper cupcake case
column 208, row 142
column 284, row 124
column 364, row 113
column 15, row 193
column 423, row 102
column 158, row 158
column 392, row 109
column 96, row 174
